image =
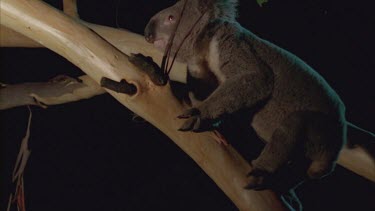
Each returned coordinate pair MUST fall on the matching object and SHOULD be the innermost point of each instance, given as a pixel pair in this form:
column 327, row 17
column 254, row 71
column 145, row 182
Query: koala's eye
column 171, row 18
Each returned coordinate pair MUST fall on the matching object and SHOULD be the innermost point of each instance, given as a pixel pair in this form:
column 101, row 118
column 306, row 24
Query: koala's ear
column 205, row 4
column 225, row 8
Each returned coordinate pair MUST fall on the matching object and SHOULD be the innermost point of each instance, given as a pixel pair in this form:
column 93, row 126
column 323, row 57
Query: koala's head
column 162, row 25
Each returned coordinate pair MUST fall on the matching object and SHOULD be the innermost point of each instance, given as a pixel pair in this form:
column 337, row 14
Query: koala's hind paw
column 258, row 180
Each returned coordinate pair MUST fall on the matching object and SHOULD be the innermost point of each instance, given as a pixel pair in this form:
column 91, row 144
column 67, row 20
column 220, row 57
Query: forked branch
column 156, row 104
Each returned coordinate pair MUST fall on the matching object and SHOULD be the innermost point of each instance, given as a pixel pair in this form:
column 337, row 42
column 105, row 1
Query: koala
column 231, row 69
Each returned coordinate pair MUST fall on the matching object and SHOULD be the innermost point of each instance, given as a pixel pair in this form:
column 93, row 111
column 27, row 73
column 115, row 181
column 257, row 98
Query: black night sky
column 91, row 155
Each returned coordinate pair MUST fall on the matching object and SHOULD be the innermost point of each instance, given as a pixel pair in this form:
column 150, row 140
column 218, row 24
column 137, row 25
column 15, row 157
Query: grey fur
column 296, row 106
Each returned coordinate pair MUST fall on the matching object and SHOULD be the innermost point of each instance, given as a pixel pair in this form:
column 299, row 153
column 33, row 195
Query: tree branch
column 126, row 41
column 59, row 90
column 10, row 38
column 70, row 8
column 358, row 160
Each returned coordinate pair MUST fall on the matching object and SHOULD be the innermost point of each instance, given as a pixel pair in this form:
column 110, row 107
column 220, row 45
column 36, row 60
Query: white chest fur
column 213, row 59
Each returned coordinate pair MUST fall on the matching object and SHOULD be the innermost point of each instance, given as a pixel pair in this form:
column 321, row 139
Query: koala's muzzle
column 150, row 32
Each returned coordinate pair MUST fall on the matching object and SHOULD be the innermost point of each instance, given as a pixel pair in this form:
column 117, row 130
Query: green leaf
column 261, row 2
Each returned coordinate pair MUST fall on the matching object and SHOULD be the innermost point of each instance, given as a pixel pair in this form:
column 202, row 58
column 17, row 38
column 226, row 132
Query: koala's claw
column 256, row 183
column 189, row 113
column 194, row 122
column 256, row 172
column 191, row 124
column 258, row 180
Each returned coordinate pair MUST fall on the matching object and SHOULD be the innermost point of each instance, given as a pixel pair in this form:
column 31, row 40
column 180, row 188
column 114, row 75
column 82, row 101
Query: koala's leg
column 238, row 92
column 315, row 134
column 325, row 138
column 277, row 152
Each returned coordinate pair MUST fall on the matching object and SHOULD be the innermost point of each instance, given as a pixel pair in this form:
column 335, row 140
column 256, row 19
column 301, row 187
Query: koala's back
column 297, row 87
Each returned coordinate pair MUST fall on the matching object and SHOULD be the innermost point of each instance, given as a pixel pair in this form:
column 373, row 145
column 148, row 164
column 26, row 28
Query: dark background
column 91, row 155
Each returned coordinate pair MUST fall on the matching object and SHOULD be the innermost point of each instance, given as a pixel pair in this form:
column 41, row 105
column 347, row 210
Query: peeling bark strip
column 18, row 197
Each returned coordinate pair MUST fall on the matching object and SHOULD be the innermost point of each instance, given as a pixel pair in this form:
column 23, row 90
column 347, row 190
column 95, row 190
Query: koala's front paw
column 194, row 121
column 148, row 66
column 258, row 180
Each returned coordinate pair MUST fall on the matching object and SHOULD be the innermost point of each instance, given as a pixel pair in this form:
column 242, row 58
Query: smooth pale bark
column 358, row 160
column 157, row 105
column 10, row 38
column 124, row 40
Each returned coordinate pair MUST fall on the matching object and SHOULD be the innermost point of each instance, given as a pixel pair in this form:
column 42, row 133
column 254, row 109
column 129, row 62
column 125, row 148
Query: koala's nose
column 149, row 38
column 149, row 32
